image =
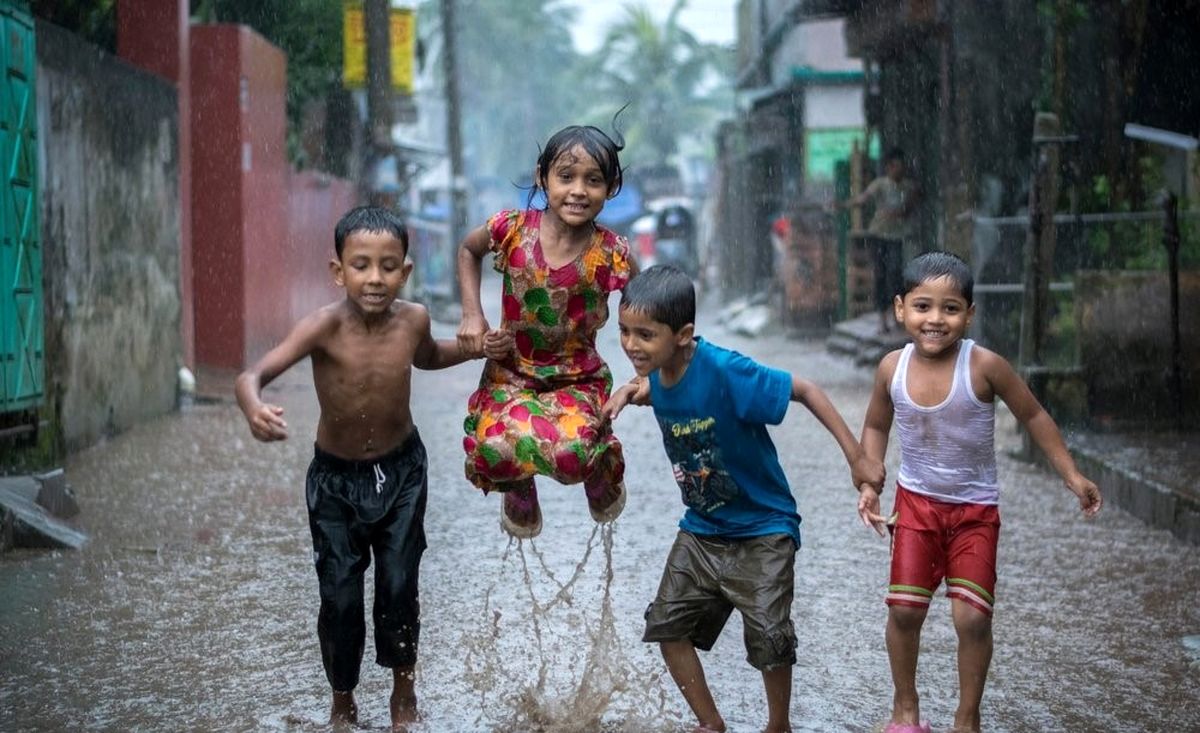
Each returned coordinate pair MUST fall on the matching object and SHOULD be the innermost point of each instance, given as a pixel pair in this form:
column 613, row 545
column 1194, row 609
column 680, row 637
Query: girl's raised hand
column 471, row 333
column 868, row 509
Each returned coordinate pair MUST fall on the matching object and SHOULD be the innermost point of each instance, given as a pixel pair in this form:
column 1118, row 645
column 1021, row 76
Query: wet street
column 193, row 607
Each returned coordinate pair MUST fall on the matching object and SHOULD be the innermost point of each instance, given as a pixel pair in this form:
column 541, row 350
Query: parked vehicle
column 666, row 235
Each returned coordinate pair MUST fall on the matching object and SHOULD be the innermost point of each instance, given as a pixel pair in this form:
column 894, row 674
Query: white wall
column 833, row 106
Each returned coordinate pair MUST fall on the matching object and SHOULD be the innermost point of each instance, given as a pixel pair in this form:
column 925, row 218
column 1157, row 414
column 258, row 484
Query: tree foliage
column 666, row 76
column 94, row 20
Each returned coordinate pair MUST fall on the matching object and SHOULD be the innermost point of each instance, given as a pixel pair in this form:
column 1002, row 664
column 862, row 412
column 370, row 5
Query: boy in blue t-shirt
column 738, row 537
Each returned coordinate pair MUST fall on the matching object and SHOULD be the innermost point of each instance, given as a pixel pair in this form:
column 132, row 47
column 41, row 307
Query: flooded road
column 194, row 605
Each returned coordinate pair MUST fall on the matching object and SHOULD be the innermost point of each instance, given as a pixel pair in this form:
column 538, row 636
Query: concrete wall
column 110, row 233
column 1125, row 345
column 153, row 35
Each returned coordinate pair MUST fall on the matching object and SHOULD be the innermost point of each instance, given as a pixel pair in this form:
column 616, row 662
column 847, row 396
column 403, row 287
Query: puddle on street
column 193, row 607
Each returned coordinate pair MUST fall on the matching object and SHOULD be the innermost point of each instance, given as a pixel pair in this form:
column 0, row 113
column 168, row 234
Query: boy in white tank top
column 940, row 391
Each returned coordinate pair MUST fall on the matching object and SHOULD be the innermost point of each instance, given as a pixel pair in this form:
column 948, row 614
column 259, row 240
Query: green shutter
column 21, row 338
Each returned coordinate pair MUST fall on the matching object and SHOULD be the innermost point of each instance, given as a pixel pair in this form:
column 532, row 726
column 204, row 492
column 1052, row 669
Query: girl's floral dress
column 538, row 410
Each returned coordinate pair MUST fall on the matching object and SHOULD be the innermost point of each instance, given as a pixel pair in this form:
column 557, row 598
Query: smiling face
column 652, row 345
column 372, row 269
column 935, row 314
column 575, row 187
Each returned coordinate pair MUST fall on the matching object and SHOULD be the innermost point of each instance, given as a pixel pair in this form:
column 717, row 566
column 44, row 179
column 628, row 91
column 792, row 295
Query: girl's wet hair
column 663, row 294
column 595, row 142
column 932, row 265
column 369, row 219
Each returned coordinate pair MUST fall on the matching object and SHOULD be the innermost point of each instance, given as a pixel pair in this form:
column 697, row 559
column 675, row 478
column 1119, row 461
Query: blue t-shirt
column 714, row 425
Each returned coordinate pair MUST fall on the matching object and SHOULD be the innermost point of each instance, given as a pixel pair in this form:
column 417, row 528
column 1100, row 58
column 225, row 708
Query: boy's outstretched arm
column 863, row 469
column 636, row 392
column 266, row 420
column 1008, row 386
column 434, row 353
column 474, row 325
column 877, row 425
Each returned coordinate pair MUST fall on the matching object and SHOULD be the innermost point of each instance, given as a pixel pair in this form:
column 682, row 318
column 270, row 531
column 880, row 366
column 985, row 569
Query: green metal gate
column 21, row 338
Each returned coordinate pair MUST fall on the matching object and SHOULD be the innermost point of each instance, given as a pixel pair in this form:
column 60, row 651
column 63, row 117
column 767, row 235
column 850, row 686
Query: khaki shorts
column 707, row 577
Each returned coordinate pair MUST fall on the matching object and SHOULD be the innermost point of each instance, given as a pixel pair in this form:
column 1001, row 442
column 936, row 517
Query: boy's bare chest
column 365, row 366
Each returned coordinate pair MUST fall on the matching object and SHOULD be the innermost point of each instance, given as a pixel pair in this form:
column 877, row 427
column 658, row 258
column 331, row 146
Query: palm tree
column 675, row 85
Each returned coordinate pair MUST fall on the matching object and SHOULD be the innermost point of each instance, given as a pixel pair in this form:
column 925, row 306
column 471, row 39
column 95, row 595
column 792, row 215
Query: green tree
column 675, row 85
column 94, row 20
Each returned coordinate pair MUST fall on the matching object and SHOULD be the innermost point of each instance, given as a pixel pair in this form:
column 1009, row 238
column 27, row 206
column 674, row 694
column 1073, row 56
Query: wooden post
column 454, row 144
column 377, row 24
column 1171, row 242
column 1040, row 241
column 857, row 161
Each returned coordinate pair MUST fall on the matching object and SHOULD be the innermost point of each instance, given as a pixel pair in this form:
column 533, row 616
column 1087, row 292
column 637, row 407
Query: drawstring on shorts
column 380, row 478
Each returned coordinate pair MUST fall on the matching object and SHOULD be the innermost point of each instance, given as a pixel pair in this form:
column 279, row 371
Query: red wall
column 239, row 179
column 265, row 254
column 257, row 238
column 315, row 202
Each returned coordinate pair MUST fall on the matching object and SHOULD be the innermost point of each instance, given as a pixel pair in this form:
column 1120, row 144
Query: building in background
column 800, row 112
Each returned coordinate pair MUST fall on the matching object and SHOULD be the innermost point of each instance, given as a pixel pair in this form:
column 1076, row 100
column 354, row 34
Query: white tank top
column 947, row 452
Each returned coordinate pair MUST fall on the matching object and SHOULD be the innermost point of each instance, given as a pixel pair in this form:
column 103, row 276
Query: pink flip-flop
column 894, row 727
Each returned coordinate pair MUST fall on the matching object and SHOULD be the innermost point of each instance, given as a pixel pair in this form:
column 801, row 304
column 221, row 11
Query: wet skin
column 652, row 345
column 935, row 314
column 362, row 348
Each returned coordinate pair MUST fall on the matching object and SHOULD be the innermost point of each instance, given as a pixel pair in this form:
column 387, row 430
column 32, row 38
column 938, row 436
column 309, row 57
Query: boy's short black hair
column 894, row 154
column 932, row 265
column 663, row 294
column 369, row 219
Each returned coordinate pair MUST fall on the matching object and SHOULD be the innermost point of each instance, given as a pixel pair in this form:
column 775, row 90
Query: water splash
column 581, row 679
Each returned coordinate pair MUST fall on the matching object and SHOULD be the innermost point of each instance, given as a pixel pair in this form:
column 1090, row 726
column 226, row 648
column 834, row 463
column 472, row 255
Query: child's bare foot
column 403, row 703
column 343, row 713
column 404, row 712
column 606, row 500
column 702, row 728
column 520, row 513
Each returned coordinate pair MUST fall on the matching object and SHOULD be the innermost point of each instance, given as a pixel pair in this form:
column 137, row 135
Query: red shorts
column 937, row 539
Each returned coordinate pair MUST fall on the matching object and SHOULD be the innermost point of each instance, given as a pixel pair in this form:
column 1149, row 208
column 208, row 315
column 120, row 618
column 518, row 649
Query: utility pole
column 377, row 19
column 458, row 207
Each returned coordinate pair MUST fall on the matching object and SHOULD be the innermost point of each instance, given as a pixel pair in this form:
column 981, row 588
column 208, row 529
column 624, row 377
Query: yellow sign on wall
column 354, row 45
